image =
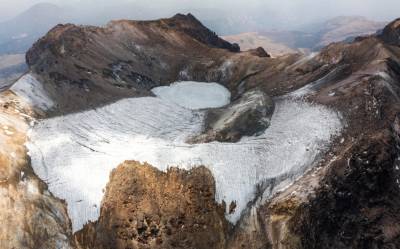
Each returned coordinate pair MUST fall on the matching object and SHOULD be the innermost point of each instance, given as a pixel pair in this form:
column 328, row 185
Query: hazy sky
column 290, row 11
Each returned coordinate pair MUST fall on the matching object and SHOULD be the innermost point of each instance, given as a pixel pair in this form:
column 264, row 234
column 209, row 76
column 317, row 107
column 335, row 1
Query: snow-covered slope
column 74, row 154
column 31, row 90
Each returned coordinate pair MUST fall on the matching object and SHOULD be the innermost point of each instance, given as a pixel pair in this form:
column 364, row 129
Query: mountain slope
column 342, row 192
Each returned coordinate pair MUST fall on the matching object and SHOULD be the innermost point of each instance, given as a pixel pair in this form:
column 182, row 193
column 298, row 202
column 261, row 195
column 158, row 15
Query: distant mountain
column 253, row 40
column 345, row 27
column 318, row 35
column 18, row 34
column 11, row 68
column 292, row 39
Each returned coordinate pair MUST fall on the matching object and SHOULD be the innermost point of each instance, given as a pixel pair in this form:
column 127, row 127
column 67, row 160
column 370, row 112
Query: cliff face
column 146, row 208
column 349, row 200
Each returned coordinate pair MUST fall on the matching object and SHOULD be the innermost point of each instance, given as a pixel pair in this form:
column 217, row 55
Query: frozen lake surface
column 195, row 95
column 75, row 154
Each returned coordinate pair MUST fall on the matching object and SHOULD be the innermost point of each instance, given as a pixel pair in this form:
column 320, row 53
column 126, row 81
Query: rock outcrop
column 391, row 33
column 146, row 208
column 260, row 52
column 249, row 115
column 31, row 217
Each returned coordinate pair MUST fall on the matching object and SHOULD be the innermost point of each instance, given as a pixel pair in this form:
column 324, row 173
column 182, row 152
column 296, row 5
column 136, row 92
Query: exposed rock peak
column 187, row 24
column 191, row 26
column 391, row 33
column 188, row 17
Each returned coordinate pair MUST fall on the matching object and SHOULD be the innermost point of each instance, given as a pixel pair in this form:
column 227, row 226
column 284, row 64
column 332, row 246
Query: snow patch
column 388, row 81
column 226, row 68
column 312, row 87
column 305, row 59
column 194, row 95
column 32, row 91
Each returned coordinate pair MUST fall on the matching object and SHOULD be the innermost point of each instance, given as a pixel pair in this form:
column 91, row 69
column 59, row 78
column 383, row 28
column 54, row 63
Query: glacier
column 74, row 154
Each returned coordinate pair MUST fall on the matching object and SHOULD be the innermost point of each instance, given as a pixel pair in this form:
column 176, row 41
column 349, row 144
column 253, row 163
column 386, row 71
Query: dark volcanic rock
column 260, row 52
column 249, row 115
column 391, row 33
column 359, row 207
column 146, row 208
column 193, row 27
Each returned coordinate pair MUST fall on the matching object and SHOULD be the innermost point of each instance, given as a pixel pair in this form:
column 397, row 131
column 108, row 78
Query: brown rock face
column 146, row 208
column 30, row 216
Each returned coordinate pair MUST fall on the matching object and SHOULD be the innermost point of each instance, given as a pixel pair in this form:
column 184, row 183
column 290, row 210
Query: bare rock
column 249, row 115
column 391, row 33
column 193, row 27
column 30, row 216
column 146, row 208
column 260, row 52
